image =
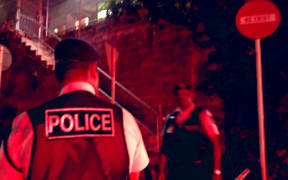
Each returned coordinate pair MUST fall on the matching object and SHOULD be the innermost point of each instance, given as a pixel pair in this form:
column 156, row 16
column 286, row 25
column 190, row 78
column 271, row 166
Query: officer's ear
column 92, row 71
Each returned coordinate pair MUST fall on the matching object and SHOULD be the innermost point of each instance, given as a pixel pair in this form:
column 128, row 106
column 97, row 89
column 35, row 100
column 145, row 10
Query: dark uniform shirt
column 187, row 147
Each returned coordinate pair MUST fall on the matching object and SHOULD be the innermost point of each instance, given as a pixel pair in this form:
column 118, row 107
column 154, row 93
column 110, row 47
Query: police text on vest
column 79, row 122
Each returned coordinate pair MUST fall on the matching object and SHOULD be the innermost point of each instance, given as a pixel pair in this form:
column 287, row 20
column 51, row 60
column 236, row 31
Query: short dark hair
column 73, row 48
column 64, row 66
column 72, row 53
column 181, row 86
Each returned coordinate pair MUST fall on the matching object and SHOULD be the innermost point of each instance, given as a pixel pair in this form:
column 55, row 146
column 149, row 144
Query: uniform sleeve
column 138, row 156
column 207, row 121
column 15, row 153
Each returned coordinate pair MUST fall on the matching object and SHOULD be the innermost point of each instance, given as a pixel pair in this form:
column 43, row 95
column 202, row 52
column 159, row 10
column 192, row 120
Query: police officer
column 190, row 148
column 77, row 135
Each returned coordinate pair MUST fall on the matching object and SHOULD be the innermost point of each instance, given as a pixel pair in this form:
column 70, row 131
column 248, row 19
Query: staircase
column 40, row 50
column 25, row 82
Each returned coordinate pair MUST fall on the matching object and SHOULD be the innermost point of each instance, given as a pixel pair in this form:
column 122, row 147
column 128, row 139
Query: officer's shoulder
column 205, row 112
column 171, row 116
column 174, row 112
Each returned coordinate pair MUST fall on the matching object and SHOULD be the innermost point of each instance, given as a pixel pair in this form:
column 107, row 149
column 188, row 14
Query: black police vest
column 77, row 136
column 184, row 146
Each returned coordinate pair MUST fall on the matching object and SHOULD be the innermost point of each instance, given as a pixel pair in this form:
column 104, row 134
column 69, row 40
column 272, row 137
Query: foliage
column 116, row 7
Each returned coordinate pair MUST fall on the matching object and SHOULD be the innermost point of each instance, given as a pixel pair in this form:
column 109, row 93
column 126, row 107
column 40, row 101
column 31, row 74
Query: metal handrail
column 36, row 22
column 128, row 91
column 42, row 26
column 119, row 105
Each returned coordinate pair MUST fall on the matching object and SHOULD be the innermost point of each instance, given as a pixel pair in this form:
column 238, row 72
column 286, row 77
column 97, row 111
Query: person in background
column 191, row 148
column 77, row 135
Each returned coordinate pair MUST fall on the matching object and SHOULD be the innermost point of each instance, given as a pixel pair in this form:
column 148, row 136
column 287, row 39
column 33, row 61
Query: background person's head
column 76, row 60
column 184, row 95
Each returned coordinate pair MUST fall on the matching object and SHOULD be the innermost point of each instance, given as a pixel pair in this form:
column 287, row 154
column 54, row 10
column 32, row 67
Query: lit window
column 86, row 21
column 109, row 12
column 77, row 24
column 102, row 14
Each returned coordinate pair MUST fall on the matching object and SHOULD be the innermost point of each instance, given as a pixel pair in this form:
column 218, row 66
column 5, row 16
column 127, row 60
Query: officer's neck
column 188, row 106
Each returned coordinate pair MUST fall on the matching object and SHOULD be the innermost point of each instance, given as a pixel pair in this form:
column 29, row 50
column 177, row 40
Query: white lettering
column 92, row 124
column 86, row 116
column 53, row 120
column 258, row 19
column 69, row 119
column 79, row 123
column 106, row 119
column 77, row 126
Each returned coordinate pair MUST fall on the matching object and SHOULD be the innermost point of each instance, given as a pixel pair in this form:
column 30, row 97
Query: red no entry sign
column 258, row 19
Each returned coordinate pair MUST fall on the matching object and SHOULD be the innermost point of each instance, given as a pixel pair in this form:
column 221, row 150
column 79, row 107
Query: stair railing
column 119, row 105
column 31, row 27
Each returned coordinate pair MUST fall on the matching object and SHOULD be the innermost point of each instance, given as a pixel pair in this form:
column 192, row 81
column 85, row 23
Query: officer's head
column 76, row 60
column 184, row 95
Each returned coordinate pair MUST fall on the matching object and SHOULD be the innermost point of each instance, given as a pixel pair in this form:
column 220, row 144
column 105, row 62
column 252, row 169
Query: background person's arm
column 213, row 134
column 162, row 167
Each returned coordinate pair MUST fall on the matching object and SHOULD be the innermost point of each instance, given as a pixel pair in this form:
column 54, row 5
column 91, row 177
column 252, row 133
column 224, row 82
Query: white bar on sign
column 257, row 19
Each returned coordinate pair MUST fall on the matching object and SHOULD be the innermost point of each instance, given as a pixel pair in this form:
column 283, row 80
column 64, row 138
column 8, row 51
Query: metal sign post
column 260, row 109
column 1, row 62
column 79, row 18
column 112, row 56
column 257, row 19
column 113, row 85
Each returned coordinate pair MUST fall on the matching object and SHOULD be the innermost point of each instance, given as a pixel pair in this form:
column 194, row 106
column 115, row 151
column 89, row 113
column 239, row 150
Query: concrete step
column 46, row 54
